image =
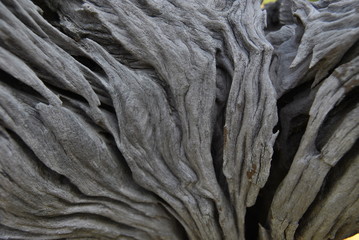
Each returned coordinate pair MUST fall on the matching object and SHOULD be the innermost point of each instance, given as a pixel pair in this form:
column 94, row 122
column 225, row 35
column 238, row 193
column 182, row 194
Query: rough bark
column 170, row 119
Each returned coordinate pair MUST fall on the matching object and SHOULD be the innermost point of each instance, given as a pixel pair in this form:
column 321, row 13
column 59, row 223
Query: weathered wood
column 175, row 119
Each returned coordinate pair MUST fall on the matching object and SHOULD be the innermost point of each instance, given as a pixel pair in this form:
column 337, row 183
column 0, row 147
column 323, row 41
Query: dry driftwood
column 171, row 119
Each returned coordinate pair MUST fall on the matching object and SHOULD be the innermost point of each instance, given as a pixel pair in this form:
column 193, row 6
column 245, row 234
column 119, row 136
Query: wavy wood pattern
column 169, row 119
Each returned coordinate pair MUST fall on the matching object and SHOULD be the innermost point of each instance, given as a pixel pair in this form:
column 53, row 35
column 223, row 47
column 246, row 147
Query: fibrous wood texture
column 170, row 119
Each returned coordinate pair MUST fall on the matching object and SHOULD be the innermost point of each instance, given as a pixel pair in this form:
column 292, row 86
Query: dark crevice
column 121, row 54
column 339, row 169
column 112, row 146
column 223, row 86
column 181, row 231
column 334, row 174
column 90, row 64
column 70, row 100
column 66, row 93
column 349, row 55
column 74, row 107
column 217, row 219
column 276, row 128
column 175, row 215
column 50, row 15
column 291, row 126
column 169, row 95
column 108, row 108
column 352, row 53
column 289, row 96
column 20, row 86
column 251, row 222
column 289, row 145
column 336, row 116
column 91, row 27
column 147, row 8
column 273, row 23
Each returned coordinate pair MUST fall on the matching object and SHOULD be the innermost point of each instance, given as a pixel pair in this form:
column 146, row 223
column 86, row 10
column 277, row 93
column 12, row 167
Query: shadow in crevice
column 181, row 231
column 47, row 13
column 251, row 222
column 336, row 116
column 65, row 93
column 331, row 179
column 293, row 112
column 21, row 87
column 223, row 86
column 90, row 64
column 273, row 11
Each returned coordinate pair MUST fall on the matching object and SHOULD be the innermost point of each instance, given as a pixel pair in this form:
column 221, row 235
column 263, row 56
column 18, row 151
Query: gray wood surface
column 171, row 119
